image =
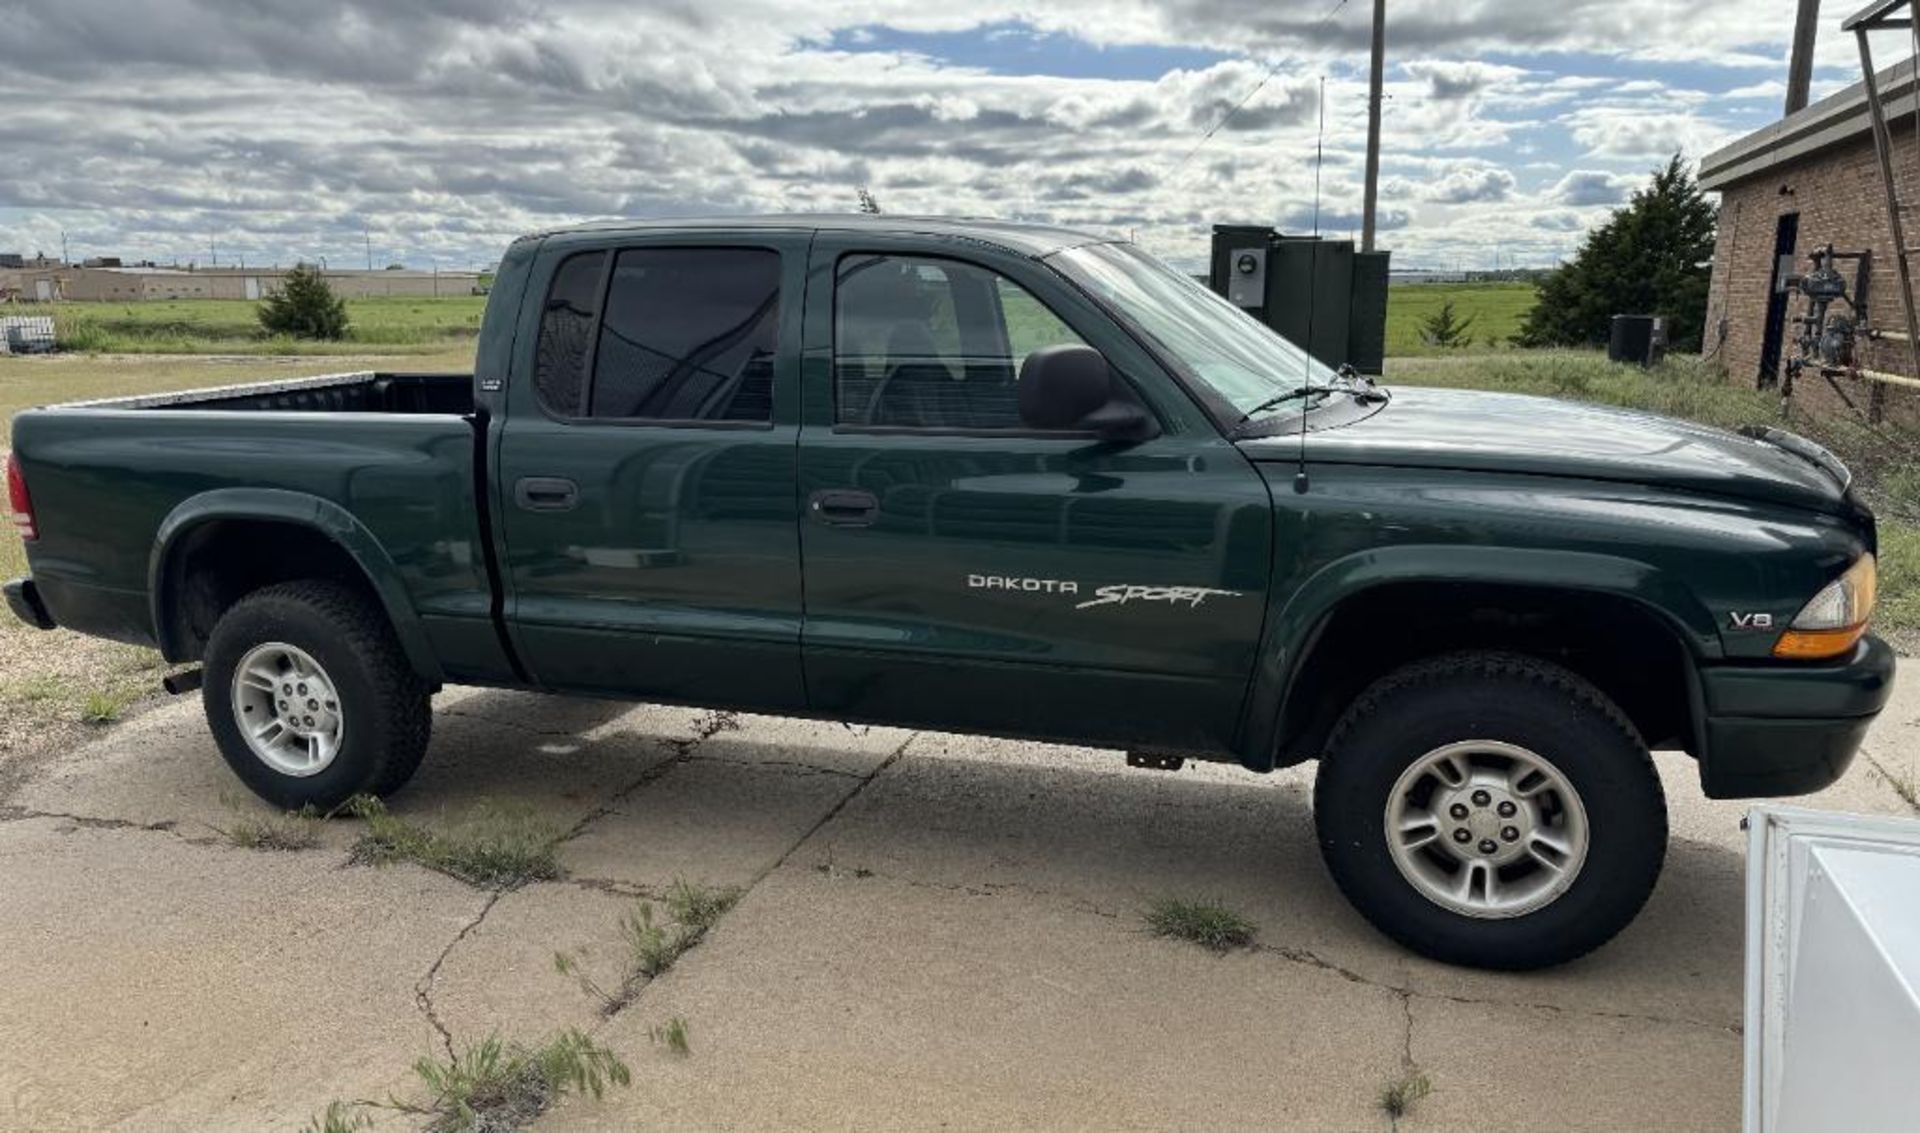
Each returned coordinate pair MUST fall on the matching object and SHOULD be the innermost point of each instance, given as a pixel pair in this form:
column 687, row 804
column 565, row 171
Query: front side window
column 689, row 335
column 933, row 344
column 1207, row 338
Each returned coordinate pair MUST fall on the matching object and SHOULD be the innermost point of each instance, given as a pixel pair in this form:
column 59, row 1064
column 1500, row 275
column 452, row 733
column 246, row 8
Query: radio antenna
column 1300, row 484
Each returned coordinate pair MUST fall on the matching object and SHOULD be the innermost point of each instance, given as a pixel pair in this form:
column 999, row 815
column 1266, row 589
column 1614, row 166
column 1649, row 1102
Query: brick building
column 1807, row 181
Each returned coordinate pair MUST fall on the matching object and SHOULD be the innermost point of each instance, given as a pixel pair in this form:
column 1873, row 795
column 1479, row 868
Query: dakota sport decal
column 1118, row 595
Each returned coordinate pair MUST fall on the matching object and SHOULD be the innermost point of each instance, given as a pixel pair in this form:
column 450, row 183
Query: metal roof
column 1873, row 14
column 1837, row 119
column 1029, row 239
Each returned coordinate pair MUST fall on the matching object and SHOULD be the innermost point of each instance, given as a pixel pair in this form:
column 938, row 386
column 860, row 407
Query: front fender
column 275, row 505
column 1295, row 613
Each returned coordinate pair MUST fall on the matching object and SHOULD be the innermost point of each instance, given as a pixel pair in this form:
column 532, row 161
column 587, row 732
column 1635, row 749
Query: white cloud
column 281, row 129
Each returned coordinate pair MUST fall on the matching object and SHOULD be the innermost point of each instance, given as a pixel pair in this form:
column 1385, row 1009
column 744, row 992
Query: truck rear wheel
column 1491, row 810
column 310, row 697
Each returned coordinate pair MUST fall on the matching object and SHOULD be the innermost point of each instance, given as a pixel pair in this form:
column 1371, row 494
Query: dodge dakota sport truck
column 1004, row 479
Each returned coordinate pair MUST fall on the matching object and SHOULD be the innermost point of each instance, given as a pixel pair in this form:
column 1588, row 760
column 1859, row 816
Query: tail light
column 18, row 500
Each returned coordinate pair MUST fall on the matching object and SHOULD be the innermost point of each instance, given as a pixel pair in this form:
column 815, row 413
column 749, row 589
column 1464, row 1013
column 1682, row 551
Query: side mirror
column 1072, row 387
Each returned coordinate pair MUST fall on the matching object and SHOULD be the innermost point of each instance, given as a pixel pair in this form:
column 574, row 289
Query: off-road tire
column 1511, row 699
column 385, row 706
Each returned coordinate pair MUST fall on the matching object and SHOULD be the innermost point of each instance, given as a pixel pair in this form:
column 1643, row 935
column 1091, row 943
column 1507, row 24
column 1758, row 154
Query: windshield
column 1212, row 340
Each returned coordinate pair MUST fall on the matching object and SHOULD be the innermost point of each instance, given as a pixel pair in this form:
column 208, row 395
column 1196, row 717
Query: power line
column 1248, row 97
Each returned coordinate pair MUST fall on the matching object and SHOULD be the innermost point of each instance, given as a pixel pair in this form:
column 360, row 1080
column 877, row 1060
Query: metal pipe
column 1885, row 378
column 1883, row 150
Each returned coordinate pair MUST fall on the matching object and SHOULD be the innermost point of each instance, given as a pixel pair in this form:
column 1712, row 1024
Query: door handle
column 844, row 507
column 546, row 493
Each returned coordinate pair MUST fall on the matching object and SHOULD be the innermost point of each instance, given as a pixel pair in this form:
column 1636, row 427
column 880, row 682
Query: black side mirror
column 1071, row 387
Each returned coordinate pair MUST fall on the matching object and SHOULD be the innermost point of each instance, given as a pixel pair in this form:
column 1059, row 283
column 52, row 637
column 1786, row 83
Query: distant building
column 130, row 284
column 12, row 260
column 1786, row 191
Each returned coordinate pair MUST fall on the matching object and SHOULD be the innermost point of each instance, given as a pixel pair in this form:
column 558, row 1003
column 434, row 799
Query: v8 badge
column 1751, row 621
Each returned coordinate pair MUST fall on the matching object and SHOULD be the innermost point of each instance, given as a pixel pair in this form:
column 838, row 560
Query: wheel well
column 216, row 564
column 1619, row 645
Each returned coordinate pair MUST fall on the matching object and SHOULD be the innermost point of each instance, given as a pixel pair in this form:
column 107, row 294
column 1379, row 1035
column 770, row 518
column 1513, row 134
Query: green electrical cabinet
column 1322, row 294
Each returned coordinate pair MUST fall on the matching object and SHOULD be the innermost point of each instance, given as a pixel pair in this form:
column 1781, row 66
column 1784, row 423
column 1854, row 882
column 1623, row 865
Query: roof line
column 1839, row 118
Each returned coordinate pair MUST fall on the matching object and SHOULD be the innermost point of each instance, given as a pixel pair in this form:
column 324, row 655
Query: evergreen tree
column 1652, row 257
column 1443, row 328
column 305, row 307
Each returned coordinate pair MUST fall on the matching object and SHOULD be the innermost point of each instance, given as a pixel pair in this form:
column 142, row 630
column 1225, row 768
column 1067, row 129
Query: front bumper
column 1775, row 730
column 23, row 598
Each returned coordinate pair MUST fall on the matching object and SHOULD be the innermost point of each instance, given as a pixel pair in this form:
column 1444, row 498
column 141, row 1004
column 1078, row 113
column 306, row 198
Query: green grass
column 1885, row 459
column 230, row 326
column 653, row 947
column 673, row 1034
column 1397, row 1098
column 1206, row 923
column 495, row 846
column 1497, row 309
column 291, row 830
column 492, row 1086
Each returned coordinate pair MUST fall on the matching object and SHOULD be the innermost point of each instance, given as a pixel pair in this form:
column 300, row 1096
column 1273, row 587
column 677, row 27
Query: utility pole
column 1800, row 63
column 368, row 236
column 1376, row 80
column 64, row 258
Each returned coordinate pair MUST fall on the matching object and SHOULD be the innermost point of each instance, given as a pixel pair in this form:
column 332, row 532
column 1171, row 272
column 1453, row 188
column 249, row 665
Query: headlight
column 1836, row 618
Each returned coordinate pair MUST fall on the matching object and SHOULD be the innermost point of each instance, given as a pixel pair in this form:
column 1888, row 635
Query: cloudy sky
column 295, row 129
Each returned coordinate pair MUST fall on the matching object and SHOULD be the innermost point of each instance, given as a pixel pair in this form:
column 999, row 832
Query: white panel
column 1833, row 972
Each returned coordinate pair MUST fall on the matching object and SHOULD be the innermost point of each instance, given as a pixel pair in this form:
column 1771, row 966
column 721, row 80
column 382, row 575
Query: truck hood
column 1498, row 432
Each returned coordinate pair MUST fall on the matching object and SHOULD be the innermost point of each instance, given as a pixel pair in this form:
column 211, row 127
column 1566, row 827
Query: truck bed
column 389, row 467
column 364, row 391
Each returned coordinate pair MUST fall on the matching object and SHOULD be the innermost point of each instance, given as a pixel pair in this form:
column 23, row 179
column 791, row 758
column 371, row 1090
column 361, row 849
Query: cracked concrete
column 934, row 931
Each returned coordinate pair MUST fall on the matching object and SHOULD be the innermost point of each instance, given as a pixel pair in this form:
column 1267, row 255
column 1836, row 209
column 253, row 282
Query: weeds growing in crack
column 653, row 947
column 291, row 830
column 1398, row 1097
column 672, row 1034
column 1907, row 786
column 339, row 1117
column 494, row 846
column 1209, row 924
column 827, row 867
column 492, row 1085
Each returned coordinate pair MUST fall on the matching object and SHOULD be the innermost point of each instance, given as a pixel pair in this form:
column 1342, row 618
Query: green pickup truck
column 1004, row 479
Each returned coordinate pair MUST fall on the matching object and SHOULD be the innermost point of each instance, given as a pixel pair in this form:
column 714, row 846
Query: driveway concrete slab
column 937, row 929
column 1495, row 1067
column 713, row 822
column 161, row 985
column 831, row 1001
column 500, row 976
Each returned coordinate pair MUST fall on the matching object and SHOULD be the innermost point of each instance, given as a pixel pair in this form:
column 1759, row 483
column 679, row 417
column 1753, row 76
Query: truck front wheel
column 1491, row 810
column 311, row 699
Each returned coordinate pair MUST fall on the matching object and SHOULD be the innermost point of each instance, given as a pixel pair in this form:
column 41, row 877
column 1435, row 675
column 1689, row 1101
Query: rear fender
column 272, row 505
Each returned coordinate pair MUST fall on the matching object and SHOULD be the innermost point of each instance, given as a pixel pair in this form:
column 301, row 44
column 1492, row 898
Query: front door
column 965, row 572
column 646, row 471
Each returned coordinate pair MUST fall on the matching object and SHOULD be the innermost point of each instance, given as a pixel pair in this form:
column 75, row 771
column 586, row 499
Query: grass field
column 222, row 326
column 1495, row 308
column 229, row 326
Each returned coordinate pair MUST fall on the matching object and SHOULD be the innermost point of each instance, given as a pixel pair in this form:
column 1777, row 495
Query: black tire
column 1509, row 699
column 385, row 712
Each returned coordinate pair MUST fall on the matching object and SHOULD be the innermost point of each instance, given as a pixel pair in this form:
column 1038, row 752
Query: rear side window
column 689, row 335
column 566, row 329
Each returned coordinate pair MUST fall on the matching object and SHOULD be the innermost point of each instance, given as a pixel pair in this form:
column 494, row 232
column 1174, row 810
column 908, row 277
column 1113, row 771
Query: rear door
column 963, row 571
column 646, row 470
